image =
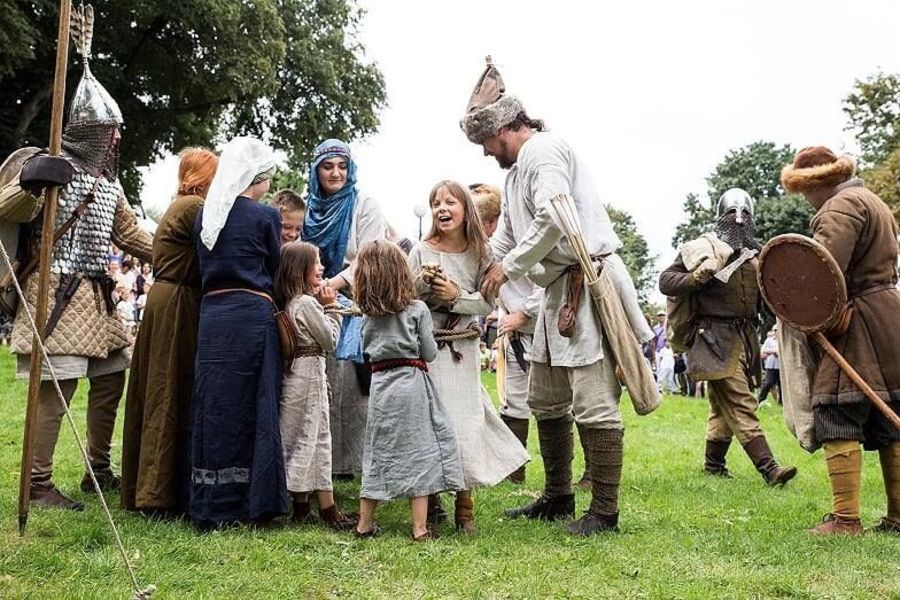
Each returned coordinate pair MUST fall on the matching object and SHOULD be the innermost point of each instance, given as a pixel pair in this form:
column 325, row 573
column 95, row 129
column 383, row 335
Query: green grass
column 683, row 534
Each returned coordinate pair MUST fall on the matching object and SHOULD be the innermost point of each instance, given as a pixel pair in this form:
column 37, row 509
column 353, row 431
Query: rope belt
column 396, row 363
column 303, row 351
column 451, row 333
column 470, row 332
column 338, row 309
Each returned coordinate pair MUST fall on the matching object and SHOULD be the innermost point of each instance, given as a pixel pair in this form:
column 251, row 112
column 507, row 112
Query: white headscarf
column 242, row 159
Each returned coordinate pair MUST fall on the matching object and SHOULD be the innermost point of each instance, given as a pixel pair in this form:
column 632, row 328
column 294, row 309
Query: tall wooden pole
column 40, row 317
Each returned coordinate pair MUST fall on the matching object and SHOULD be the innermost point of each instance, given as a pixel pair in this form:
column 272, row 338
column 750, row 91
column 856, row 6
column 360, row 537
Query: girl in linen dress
column 303, row 416
column 410, row 450
column 446, row 266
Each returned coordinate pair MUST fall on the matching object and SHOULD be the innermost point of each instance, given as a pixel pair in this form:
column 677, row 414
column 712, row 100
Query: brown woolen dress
column 155, row 460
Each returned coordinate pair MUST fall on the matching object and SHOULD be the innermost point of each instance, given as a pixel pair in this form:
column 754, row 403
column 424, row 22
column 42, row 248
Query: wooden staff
column 857, row 379
column 40, row 317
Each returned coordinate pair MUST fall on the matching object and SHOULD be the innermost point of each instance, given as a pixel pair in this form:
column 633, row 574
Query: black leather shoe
column 546, row 508
column 591, row 524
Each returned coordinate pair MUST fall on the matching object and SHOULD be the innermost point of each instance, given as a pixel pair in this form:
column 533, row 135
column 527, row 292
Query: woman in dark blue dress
column 237, row 466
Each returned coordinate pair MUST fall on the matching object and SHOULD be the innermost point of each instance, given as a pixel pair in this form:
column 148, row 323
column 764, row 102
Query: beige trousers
column 732, row 409
column 103, row 402
column 590, row 393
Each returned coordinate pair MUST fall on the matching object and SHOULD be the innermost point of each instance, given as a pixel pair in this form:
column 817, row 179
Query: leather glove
column 43, row 171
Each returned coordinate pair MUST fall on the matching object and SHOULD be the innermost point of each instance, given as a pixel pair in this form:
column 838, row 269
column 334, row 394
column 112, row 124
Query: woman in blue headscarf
column 339, row 221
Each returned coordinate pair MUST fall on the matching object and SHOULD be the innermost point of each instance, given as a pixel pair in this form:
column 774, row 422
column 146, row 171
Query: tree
column 192, row 71
column 755, row 168
column 884, row 180
column 873, row 112
column 634, row 252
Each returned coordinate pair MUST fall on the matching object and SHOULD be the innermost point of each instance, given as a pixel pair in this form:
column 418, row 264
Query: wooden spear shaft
column 857, row 379
column 46, row 252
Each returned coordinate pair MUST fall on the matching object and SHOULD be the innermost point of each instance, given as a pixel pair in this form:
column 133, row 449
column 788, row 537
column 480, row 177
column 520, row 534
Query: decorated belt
column 303, row 351
column 396, row 363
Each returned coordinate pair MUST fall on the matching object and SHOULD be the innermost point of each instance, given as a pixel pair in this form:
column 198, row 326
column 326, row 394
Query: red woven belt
column 395, row 363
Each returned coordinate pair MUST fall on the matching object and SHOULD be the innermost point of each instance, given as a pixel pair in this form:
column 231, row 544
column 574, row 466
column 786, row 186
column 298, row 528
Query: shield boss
column 801, row 282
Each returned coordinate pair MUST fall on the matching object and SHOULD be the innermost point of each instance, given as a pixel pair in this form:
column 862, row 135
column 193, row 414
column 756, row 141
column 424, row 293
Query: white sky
column 651, row 94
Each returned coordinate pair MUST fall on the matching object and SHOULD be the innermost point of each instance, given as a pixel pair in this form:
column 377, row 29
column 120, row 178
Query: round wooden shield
column 801, row 282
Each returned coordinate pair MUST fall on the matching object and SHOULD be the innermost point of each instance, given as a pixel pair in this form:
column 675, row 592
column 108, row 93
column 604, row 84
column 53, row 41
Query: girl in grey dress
column 410, row 448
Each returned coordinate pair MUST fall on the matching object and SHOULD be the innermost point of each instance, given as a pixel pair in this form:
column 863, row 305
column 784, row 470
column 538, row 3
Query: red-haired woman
column 155, row 464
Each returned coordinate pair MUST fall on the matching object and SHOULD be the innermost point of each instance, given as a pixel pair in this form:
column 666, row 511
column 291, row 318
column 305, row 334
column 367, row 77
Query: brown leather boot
column 47, row 494
column 715, row 458
column 464, row 514
column 761, row 455
column 832, row 524
column 519, row 428
column 337, row 520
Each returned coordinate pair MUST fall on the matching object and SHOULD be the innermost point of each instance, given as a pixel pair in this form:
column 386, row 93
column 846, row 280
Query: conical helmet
column 91, row 102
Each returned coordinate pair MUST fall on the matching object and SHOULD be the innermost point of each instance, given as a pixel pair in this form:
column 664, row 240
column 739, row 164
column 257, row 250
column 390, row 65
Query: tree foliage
column 873, row 113
column 884, row 180
column 193, row 71
column 634, row 252
column 755, row 168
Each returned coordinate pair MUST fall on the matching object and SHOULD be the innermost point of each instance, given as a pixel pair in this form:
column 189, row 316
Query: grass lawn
column 683, row 534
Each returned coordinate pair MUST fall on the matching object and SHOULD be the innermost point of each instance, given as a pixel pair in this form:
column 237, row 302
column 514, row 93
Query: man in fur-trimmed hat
column 724, row 346
column 572, row 369
column 857, row 227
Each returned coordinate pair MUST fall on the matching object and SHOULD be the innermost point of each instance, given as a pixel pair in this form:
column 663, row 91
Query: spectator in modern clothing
column 128, row 275
column 659, row 338
column 665, row 372
column 771, row 364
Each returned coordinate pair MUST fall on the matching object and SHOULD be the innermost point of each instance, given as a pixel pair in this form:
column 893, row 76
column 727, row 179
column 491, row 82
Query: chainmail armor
column 89, row 144
column 85, row 247
column 736, row 235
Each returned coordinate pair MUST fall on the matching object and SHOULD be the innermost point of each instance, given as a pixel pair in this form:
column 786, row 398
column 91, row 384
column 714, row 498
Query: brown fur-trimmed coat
column 859, row 230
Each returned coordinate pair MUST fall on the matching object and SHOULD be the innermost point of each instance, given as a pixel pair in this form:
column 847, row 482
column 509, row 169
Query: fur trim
column 822, row 176
column 486, row 122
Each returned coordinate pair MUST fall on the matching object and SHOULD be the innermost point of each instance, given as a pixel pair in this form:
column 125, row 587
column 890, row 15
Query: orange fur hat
column 816, row 167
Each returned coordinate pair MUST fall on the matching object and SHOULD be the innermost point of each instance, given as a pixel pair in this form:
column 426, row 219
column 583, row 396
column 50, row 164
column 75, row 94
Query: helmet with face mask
column 90, row 137
column 734, row 220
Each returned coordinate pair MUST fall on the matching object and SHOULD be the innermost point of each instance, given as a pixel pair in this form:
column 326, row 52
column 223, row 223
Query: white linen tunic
column 488, row 448
column 530, row 243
